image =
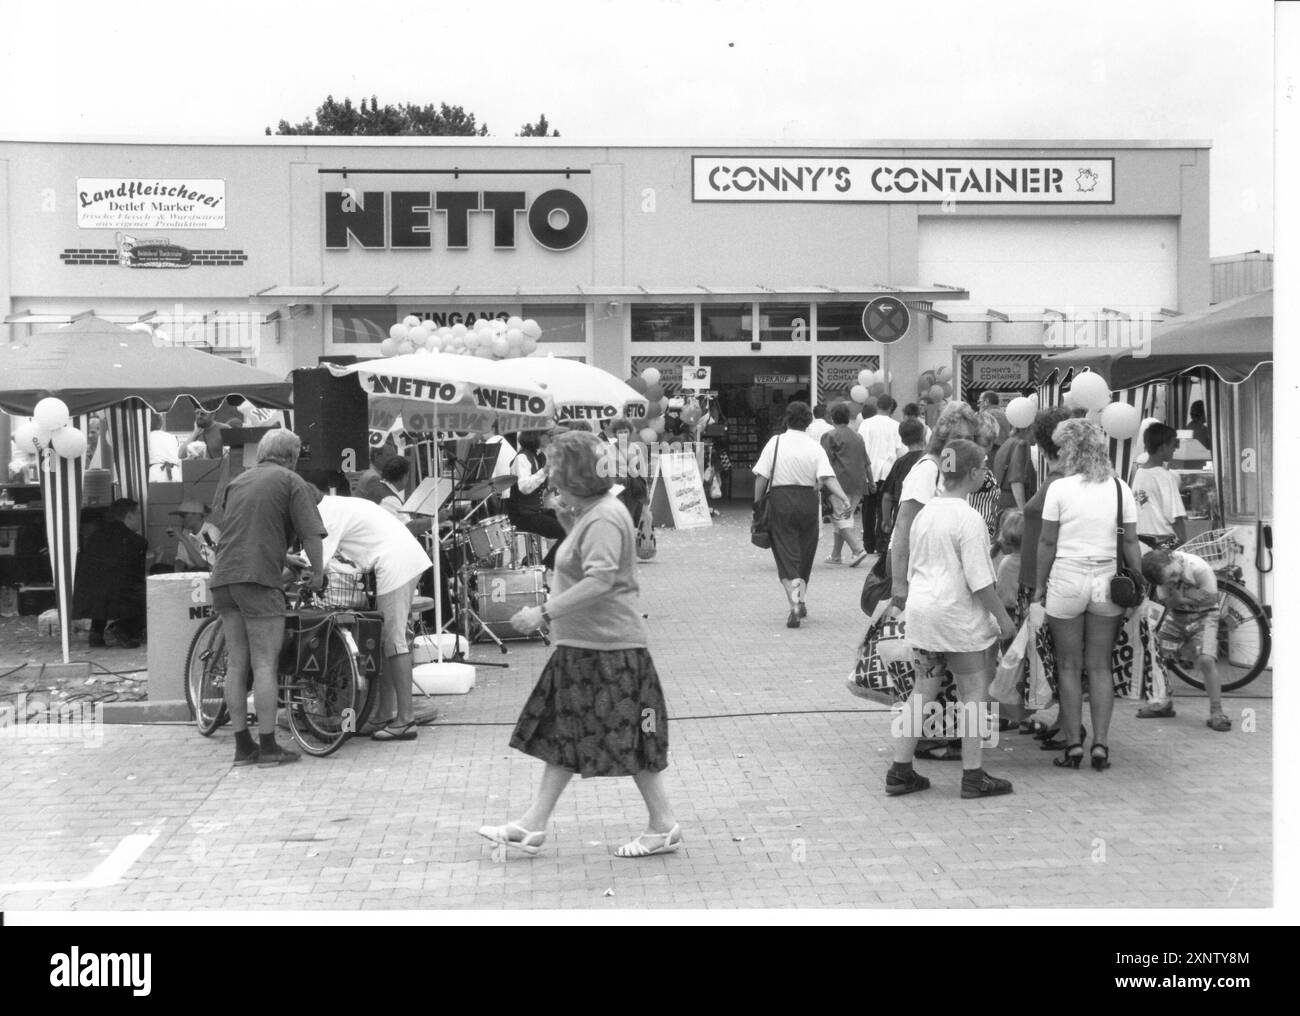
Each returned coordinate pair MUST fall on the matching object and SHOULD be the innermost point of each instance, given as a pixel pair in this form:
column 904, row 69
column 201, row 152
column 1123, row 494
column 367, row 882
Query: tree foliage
column 373, row 120
column 540, row 129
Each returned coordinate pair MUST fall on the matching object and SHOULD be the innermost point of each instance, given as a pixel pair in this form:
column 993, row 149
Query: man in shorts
column 1190, row 593
column 373, row 539
column 262, row 509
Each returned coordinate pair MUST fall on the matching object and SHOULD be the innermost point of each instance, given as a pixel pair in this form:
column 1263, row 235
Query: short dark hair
column 1044, row 425
column 532, row 439
column 911, row 431
column 121, row 508
column 991, row 398
column 1154, row 563
column 819, row 411
column 1156, row 436
column 868, row 410
column 886, row 404
column 395, row 469
column 911, row 409
column 839, row 413
column 798, row 415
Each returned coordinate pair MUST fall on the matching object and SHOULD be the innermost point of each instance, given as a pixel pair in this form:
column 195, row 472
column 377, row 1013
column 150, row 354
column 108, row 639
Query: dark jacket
column 110, row 574
column 848, row 454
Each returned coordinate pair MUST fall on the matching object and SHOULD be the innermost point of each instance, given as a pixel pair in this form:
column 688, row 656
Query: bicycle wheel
column 1245, row 641
column 322, row 697
column 205, row 677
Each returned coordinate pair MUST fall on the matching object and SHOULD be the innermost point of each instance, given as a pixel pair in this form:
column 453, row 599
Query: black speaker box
column 329, row 414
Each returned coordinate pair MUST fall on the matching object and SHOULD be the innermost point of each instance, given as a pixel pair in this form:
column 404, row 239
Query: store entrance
column 753, row 392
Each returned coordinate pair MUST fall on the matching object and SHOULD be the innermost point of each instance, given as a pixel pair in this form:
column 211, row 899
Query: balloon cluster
column 50, row 427
column 648, row 384
column 934, row 386
column 1118, row 419
column 490, row 338
column 871, row 385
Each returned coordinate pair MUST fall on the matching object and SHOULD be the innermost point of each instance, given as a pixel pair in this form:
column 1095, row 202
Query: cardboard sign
column 680, row 475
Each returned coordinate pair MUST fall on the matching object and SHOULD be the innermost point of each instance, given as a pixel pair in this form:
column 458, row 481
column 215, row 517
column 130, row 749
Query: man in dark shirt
column 911, row 434
column 110, row 580
column 263, row 508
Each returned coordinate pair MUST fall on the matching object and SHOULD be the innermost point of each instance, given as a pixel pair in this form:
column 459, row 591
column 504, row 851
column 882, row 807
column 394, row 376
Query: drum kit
column 495, row 569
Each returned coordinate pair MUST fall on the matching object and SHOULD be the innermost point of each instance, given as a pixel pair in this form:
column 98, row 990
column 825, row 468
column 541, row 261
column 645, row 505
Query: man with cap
column 196, row 544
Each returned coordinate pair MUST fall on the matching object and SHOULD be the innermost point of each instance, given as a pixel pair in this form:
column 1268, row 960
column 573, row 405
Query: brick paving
column 776, row 776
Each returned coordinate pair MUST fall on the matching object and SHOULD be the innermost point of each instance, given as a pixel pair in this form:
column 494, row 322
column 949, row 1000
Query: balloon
column 691, row 415
column 657, row 425
column 28, row 438
column 406, row 347
column 1021, row 412
column 1121, row 421
column 866, row 378
column 514, row 321
column 418, row 336
column 411, row 321
column 929, row 376
column 529, row 346
column 50, row 414
column 499, row 345
column 70, row 443
column 944, row 374
column 654, row 391
column 398, row 332
column 514, row 337
column 651, row 375
column 935, row 393
column 435, row 343
column 653, row 410
column 445, row 332
column 1068, row 400
column 532, row 329
column 1090, row 390
column 877, row 389
column 388, row 347
column 947, row 389
column 859, row 394
column 459, row 330
column 471, row 340
column 638, row 384
column 649, row 435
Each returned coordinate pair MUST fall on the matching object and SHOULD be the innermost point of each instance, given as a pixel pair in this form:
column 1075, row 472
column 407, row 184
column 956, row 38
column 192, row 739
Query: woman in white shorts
column 1076, row 561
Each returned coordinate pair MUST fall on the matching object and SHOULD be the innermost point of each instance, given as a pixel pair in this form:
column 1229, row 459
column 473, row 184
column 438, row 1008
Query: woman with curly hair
column 984, row 499
column 1076, row 561
column 598, row 708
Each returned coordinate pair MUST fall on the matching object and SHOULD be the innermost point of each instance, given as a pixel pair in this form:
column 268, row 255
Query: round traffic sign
column 886, row 319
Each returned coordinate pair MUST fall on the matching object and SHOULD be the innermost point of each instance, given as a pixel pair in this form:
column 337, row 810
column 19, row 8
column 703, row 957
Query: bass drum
column 500, row 593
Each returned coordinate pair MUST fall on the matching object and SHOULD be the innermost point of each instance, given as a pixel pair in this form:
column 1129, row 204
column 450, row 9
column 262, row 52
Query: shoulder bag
column 760, row 533
column 1126, row 588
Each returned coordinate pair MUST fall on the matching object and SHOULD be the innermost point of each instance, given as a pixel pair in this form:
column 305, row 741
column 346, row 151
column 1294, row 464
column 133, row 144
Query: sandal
column 396, row 732
column 529, row 843
column 1069, row 760
column 905, row 783
column 1100, row 761
column 668, row 844
column 1219, row 722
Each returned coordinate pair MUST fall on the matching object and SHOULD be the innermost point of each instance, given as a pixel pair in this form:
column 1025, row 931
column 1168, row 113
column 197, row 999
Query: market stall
column 1223, row 358
column 94, row 366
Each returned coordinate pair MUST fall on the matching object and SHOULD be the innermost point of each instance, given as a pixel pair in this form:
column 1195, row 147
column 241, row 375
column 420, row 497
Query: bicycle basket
column 1217, row 548
column 349, row 590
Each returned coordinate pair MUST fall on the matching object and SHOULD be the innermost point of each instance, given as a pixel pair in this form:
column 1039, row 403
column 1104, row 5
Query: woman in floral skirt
column 597, row 709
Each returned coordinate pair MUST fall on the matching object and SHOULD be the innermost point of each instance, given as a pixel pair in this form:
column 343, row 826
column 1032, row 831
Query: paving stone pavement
column 776, row 777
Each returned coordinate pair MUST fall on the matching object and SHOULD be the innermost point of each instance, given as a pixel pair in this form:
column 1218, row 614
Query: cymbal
column 490, row 487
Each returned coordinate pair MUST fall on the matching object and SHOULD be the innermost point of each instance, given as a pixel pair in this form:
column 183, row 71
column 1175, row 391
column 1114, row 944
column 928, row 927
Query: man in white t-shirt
column 372, row 539
column 820, row 425
column 1162, row 517
column 879, row 432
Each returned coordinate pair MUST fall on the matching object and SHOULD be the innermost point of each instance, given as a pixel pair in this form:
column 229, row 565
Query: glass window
column 362, row 324
column 560, row 322
column 663, row 322
column 784, row 322
column 727, row 322
column 840, row 321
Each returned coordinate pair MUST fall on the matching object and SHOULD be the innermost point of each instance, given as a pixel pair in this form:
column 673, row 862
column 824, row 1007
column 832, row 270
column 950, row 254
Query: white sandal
column 669, row 842
column 529, row 843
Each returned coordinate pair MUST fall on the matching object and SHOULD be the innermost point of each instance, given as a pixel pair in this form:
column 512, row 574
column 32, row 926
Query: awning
column 856, row 292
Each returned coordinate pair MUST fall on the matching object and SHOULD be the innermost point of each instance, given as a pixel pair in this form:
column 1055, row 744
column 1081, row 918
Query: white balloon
column 411, row 321
column 499, row 345
column 388, row 347
column 29, row 439
column 1121, row 421
column 70, row 443
column 483, row 325
column 529, row 346
column 651, row 375
column 406, row 347
column 1068, row 400
column 50, row 414
column 418, row 336
column 514, row 337
column 398, row 332
column 866, row 378
column 514, row 321
column 435, row 343
column 1021, row 412
column 459, row 330
column 1090, row 390
column 531, row 328
column 859, row 394
column 471, row 340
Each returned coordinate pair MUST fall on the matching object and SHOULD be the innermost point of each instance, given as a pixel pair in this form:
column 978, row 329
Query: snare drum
column 490, row 539
column 500, row 593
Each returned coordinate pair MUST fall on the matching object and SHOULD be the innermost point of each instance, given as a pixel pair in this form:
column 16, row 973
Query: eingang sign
column 143, row 203
column 920, row 180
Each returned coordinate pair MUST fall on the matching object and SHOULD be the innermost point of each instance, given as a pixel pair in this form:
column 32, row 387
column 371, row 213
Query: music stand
column 428, row 498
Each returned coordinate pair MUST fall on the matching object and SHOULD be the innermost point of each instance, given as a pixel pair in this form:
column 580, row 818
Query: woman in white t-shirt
column 790, row 470
column 1076, row 561
column 954, row 620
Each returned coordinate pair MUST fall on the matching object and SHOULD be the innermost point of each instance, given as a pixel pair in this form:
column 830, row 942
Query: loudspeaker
column 331, row 418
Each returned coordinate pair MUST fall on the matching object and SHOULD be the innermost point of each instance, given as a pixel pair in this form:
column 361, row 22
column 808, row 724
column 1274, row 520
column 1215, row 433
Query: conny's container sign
column 149, row 203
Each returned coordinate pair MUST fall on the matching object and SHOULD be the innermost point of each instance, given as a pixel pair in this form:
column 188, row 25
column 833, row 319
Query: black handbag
column 1126, row 588
column 760, row 533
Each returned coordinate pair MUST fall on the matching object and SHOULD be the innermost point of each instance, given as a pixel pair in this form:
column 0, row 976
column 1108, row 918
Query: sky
column 706, row 71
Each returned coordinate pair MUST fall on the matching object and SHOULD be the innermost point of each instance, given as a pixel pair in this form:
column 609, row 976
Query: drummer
column 525, row 500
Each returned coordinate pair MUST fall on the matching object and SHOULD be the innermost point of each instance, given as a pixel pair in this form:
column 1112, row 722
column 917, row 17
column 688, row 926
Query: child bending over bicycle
column 1190, row 593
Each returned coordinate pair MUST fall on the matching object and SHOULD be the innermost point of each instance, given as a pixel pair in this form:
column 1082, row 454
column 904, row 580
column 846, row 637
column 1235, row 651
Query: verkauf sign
column 913, row 180
column 144, row 203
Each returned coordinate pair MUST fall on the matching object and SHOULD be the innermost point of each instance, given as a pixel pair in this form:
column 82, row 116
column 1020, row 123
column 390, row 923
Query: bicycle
column 1245, row 636
column 324, row 684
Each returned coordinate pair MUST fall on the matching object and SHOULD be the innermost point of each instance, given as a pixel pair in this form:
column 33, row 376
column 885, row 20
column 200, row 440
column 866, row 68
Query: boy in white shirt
column 1190, row 593
column 1162, row 519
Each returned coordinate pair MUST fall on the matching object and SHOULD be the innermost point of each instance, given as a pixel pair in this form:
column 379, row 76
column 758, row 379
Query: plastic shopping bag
column 1009, row 679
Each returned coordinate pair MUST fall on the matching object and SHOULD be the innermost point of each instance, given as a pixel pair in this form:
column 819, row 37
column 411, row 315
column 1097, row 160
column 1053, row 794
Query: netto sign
column 406, row 220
